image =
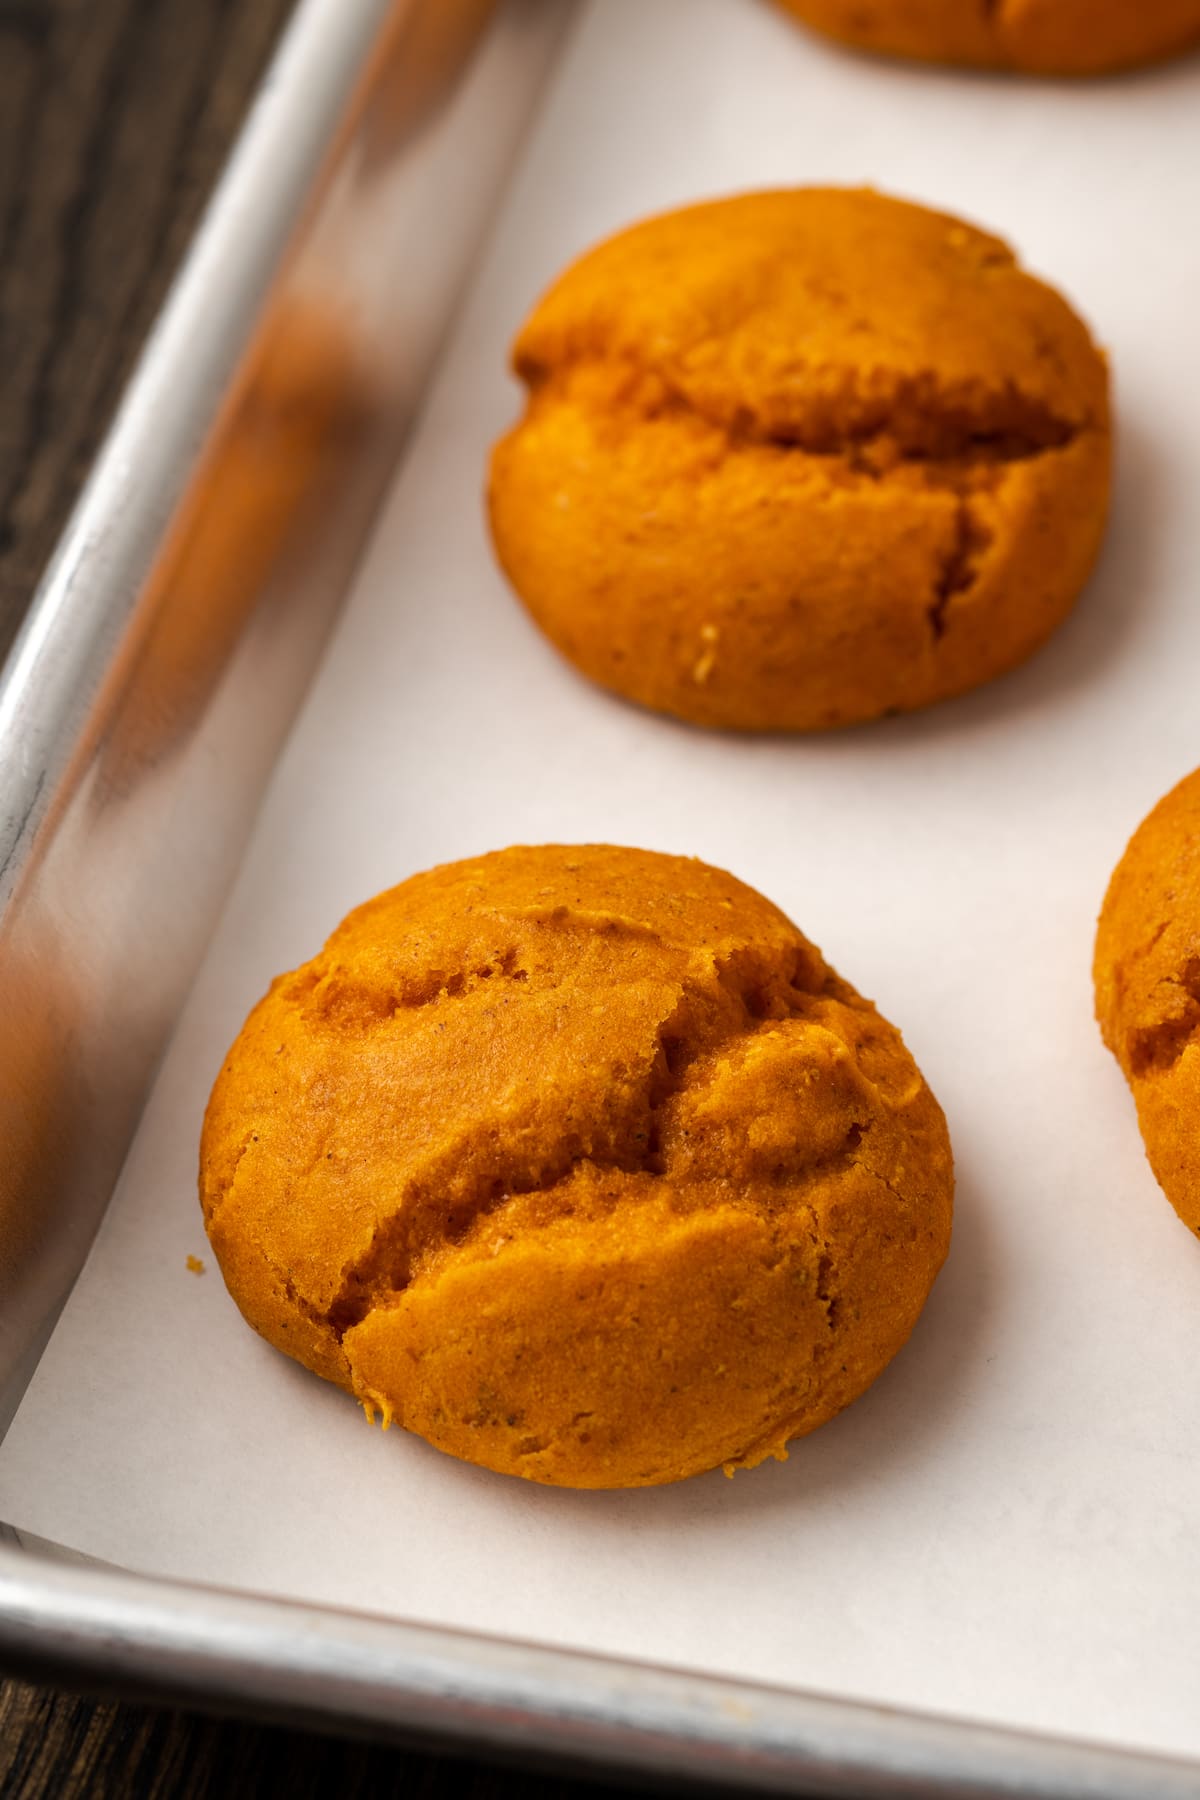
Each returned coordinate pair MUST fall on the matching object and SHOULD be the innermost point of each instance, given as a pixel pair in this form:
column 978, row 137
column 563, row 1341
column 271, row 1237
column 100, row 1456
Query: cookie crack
column 815, row 1169
column 690, row 1031
column 308, row 1309
column 399, row 1249
column 825, row 1292
column 1155, row 1049
column 878, row 1175
column 774, row 1437
column 215, row 1203
column 334, row 995
column 564, row 918
column 960, row 567
column 915, row 420
column 339, row 1000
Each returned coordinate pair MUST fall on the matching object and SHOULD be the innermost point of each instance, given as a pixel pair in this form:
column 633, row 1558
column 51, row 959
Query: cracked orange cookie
column 1040, row 37
column 797, row 459
column 1147, row 973
column 580, row 1163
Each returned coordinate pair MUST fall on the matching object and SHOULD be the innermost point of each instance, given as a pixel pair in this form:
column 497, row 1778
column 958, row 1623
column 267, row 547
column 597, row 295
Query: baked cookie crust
column 797, row 459
column 1036, row 37
column 582, row 1164
column 1147, row 976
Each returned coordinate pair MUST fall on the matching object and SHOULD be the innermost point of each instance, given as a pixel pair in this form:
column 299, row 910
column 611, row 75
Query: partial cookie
column 798, row 459
column 1041, row 37
column 580, row 1163
column 1147, row 973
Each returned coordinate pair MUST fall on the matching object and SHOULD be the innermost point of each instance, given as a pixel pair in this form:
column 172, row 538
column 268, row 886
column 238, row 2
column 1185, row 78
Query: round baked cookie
column 580, row 1163
column 797, row 459
column 1040, row 37
column 1147, row 973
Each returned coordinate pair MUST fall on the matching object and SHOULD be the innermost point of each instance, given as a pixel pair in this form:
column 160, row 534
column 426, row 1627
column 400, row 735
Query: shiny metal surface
column 139, row 717
column 175, row 632
column 405, row 1681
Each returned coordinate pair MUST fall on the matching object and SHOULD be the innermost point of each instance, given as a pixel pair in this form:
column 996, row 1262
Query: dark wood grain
column 114, row 117
column 60, row 1747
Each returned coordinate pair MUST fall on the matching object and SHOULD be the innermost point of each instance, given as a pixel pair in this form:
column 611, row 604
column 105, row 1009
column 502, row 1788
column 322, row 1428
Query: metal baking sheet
column 1002, row 1530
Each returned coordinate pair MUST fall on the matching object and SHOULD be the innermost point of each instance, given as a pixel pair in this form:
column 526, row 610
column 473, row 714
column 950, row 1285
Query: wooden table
column 62, row 1747
column 114, row 118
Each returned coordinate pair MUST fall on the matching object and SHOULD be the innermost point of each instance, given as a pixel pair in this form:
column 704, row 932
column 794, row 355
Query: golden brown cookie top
column 825, row 316
column 1148, row 946
column 487, row 1034
column 1041, row 37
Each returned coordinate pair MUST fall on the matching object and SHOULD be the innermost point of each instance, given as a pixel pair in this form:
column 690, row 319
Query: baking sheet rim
column 155, row 1635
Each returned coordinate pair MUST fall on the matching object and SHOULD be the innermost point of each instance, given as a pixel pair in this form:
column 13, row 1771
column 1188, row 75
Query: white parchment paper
column 1007, row 1525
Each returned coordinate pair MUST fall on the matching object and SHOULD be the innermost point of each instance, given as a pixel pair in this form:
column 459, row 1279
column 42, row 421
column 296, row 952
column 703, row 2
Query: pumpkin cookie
column 797, row 459
column 580, row 1163
column 1040, row 37
column 1147, row 973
